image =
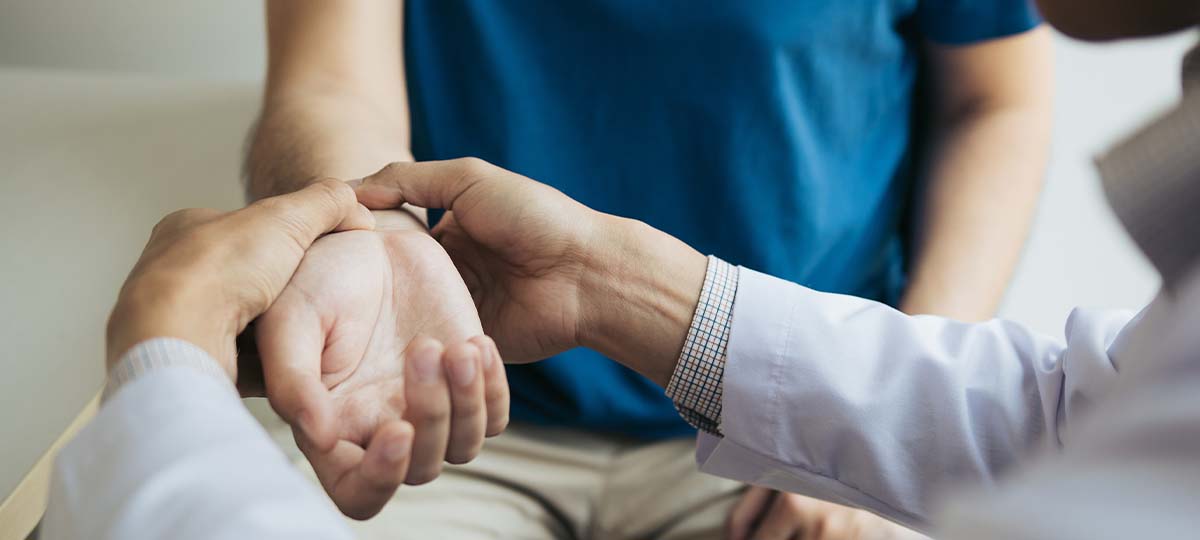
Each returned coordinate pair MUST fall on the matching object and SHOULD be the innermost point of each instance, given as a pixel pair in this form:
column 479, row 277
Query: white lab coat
column 175, row 455
column 1093, row 436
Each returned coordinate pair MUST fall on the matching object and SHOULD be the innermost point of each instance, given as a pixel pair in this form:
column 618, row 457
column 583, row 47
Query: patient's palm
column 355, row 303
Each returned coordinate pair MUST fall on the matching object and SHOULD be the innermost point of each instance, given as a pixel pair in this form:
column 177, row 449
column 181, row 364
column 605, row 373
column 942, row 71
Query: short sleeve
column 958, row 22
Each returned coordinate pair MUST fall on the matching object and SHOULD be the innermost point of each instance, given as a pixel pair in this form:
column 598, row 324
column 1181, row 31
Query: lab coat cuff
column 162, row 353
column 757, row 354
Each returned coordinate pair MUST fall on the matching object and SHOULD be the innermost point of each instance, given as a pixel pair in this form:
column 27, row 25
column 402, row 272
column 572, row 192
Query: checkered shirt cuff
column 695, row 386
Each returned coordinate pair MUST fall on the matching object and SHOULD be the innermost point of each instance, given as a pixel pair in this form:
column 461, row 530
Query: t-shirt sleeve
column 959, row 22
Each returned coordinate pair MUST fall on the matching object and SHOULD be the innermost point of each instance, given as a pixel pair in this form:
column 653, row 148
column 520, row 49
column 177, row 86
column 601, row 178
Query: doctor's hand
column 547, row 273
column 205, row 274
column 354, row 345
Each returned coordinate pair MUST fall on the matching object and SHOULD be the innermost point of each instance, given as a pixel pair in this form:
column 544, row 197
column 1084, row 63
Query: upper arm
column 983, row 55
column 1015, row 70
column 332, row 46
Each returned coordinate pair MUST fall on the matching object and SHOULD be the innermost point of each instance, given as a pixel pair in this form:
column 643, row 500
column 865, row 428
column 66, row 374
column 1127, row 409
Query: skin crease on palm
column 350, row 297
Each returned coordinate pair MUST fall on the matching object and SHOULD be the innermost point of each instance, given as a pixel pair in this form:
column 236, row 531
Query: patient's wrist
column 405, row 218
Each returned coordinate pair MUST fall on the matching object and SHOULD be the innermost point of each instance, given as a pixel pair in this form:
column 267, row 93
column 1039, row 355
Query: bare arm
column 335, row 106
column 983, row 175
column 335, row 103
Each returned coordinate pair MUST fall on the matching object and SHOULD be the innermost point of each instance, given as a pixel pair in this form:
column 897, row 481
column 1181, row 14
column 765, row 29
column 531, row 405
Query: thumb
column 261, row 229
column 322, row 207
column 428, row 184
column 290, row 343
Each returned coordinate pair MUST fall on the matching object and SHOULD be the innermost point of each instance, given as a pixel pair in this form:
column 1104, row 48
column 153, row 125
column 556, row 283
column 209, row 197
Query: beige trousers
column 543, row 483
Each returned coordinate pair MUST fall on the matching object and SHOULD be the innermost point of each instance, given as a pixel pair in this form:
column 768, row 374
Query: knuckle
column 338, row 191
column 472, row 163
column 327, row 196
column 397, row 403
column 435, row 415
column 431, row 414
column 392, row 168
column 175, row 217
column 180, row 218
column 286, row 216
column 468, row 409
column 473, row 168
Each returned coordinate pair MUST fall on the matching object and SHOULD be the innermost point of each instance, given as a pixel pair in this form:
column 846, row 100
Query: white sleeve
column 1132, row 466
column 174, row 454
column 849, row 400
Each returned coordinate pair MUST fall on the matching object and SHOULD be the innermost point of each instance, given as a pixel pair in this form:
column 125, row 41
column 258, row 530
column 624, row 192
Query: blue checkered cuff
column 695, row 386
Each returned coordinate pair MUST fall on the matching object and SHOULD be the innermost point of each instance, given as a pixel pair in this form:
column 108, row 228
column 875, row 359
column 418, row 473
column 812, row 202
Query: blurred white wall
column 212, row 39
column 1077, row 255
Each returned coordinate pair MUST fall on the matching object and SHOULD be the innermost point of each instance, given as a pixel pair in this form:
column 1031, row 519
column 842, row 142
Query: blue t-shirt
column 775, row 134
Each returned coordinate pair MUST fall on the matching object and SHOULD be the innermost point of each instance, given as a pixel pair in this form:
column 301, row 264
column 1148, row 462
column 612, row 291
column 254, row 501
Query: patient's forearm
column 335, row 102
column 299, row 139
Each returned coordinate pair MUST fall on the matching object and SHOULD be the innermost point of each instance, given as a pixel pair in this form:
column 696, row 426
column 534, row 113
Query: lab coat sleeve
column 174, row 454
column 849, row 400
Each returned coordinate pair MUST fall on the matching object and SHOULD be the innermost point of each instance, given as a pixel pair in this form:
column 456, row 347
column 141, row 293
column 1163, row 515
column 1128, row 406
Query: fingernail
column 427, row 363
column 462, row 370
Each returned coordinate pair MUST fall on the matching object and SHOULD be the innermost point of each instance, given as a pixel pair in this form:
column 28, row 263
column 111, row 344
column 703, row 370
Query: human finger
column 290, row 343
column 468, row 414
column 495, row 385
column 428, row 184
column 322, row 207
column 427, row 408
column 361, row 481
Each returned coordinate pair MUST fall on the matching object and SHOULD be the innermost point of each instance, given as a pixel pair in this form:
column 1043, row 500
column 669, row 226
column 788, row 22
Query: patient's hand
column 354, row 342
